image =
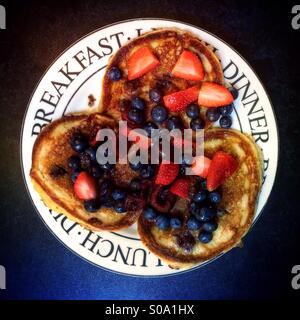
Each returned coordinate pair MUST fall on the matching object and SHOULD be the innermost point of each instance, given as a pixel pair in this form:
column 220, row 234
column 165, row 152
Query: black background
column 38, row 266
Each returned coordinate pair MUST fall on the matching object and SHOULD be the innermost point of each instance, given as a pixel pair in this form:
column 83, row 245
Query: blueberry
column 227, row 110
column 205, row 237
column 234, row 92
column 74, row 175
column 92, row 205
column 154, row 95
column 149, row 213
column 118, row 194
column 106, row 166
column 149, row 127
column 205, row 214
column 138, row 103
column 79, row 143
column 159, row 113
column 135, row 185
column 114, row 74
column 120, row 206
column 95, row 171
column 92, row 153
column 174, row 123
column 192, row 111
column 107, row 202
column 135, row 166
column 175, row 223
column 104, row 188
column 147, row 171
column 193, row 224
column 225, row 122
column 215, row 197
column 136, row 116
column 193, row 208
column 162, row 222
column 210, row 226
column 212, row 114
column 199, row 196
column 197, row 124
column 74, row 163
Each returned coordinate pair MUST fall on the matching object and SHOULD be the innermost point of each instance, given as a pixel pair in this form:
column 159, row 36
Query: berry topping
column 225, row 122
column 214, row 197
column 210, row 226
column 197, row 124
column 136, row 116
column 205, row 237
column 213, row 114
column 193, row 224
column 149, row 127
column 175, row 223
column 162, row 222
column 226, row 110
column 78, row 142
column 167, row 173
column 154, row 95
column 179, row 100
column 186, row 241
column 141, row 62
column 205, row 214
column 222, row 167
column 174, row 123
column 114, row 74
column 147, row 171
column 149, row 213
column 214, row 95
column 138, row 103
column 119, row 206
column 181, row 188
column 74, row 163
column 85, row 187
column 188, row 67
column 234, row 92
column 201, row 166
column 118, row 194
column 159, row 113
column 199, row 196
column 192, row 111
column 92, row 205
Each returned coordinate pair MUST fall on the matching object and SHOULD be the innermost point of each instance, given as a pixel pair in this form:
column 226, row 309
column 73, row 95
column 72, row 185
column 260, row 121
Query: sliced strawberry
column 141, row 62
column 85, row 187
column 201, row 166
column 222, row 167
column 188, row 67
column 167, row 173
column 214, row 95
column 179, row 100
column 142, row 141
column 179, row 142
column 181, row 188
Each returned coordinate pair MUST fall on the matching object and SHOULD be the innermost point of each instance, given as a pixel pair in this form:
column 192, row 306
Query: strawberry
column 142, row 141
column 222, row 167
column 200, row 166
column 188, row 67
column 181, row 188
column 214, row 95
column 179, row 100
column 179, row 142
column 167, row 173
column 141, row 62
column 85, row 187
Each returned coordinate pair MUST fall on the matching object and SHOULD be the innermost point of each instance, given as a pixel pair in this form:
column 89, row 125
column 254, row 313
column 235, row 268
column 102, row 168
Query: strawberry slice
column 200, row 166
column 179, row 100
column 214, row 95
column 85, row 187
column 167, row 173
column 188, row 67
column 142, row 141
column 141, row 62
column 222, row 167
column 181, row 188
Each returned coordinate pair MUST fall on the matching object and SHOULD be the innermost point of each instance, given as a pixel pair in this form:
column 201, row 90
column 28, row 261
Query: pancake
column 167, row 45
column 51, row 152
column 239, row 196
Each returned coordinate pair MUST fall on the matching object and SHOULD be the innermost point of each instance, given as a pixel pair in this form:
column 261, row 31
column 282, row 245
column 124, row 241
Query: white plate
column 122, row 251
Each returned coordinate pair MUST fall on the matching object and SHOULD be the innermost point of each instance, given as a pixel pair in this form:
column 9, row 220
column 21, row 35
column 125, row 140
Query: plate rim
column 38, row 83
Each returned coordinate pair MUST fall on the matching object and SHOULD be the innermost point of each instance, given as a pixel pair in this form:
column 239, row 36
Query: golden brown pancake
column 51, row 152
column 167, row 45
column 239, row 195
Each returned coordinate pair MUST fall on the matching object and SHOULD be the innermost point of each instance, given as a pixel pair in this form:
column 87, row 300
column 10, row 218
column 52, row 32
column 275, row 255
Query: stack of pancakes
column 239, row 192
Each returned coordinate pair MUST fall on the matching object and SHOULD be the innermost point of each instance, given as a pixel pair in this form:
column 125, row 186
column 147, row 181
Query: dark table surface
column 38, row 266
